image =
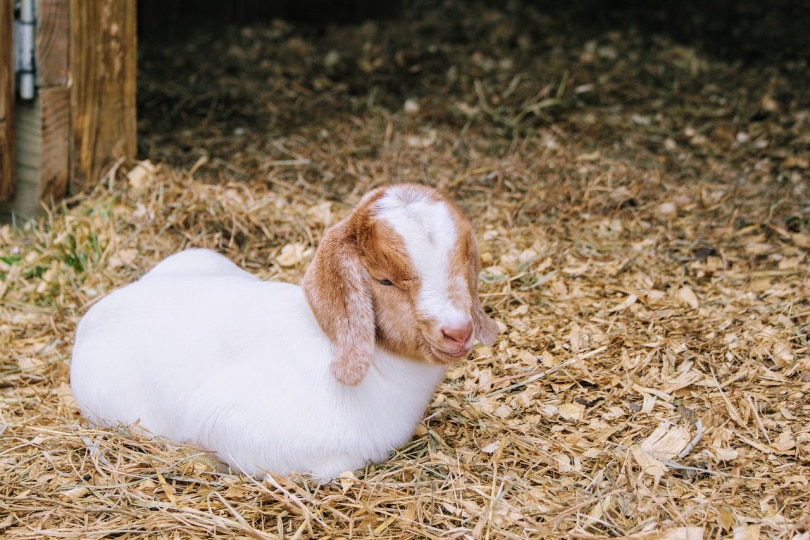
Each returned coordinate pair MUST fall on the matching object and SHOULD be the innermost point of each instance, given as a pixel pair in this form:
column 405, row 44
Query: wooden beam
column 52, row 44
column 52, row 41
column 102, row 62
column 27, row 161
column 6, row 102
column 54, row 164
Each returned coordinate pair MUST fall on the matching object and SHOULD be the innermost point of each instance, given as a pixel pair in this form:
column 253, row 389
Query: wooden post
column 52, row 42
column 83, row 117
column 41, row 133
column 102, row 100
column 6, row 102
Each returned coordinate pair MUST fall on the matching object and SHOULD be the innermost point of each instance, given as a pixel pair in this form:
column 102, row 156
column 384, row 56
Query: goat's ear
column 338, row 290
column 486, row 330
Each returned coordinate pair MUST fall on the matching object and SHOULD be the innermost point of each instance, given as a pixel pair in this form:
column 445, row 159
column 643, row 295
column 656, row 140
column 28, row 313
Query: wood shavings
column 640, row 207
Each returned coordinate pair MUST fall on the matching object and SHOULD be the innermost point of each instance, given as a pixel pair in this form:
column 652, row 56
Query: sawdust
column 642, row 210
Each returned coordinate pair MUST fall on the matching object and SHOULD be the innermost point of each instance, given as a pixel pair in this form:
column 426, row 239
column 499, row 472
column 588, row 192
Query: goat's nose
column 459, row 333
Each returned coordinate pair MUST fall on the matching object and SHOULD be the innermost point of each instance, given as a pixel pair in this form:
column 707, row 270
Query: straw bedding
column 642, row 210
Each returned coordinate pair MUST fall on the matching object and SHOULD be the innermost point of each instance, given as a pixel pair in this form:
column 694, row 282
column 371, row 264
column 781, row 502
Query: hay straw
column 652, row 284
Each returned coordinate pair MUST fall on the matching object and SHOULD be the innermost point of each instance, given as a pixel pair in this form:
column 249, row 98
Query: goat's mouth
column 449, row 355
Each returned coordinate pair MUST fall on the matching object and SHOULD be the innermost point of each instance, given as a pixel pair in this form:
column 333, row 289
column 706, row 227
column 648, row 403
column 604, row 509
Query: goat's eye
column 385, row 282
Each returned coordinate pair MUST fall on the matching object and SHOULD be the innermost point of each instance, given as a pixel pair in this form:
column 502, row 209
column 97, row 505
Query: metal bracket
column 24, row 62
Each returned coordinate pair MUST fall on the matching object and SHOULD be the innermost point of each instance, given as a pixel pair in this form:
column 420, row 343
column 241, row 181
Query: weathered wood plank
column 52, row 40
column 103, row 67
column 54, row 166
column 28, row 143
column 6, row 102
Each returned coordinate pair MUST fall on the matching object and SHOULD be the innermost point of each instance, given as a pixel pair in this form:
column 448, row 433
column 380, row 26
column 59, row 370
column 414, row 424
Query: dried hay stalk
column 652, row 373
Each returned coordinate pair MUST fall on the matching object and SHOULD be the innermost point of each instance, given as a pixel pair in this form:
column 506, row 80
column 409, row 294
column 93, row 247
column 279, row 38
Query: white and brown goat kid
column 274, row 377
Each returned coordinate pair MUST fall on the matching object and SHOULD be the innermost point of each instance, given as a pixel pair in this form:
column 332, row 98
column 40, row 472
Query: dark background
column 745, row 30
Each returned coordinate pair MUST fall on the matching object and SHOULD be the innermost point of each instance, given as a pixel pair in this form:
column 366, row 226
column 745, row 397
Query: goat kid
column 273, row 377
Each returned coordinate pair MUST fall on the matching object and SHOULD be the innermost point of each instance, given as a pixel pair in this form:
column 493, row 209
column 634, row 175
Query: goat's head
column 401, row 272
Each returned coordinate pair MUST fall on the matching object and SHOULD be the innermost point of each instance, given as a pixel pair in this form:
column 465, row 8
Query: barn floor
column 643, row 211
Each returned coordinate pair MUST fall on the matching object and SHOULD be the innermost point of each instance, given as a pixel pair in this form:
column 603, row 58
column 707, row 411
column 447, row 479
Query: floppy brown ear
column 338, row 290
column 486, row 330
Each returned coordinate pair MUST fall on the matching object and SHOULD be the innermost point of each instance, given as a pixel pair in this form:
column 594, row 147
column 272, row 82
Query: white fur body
column 254, row 346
